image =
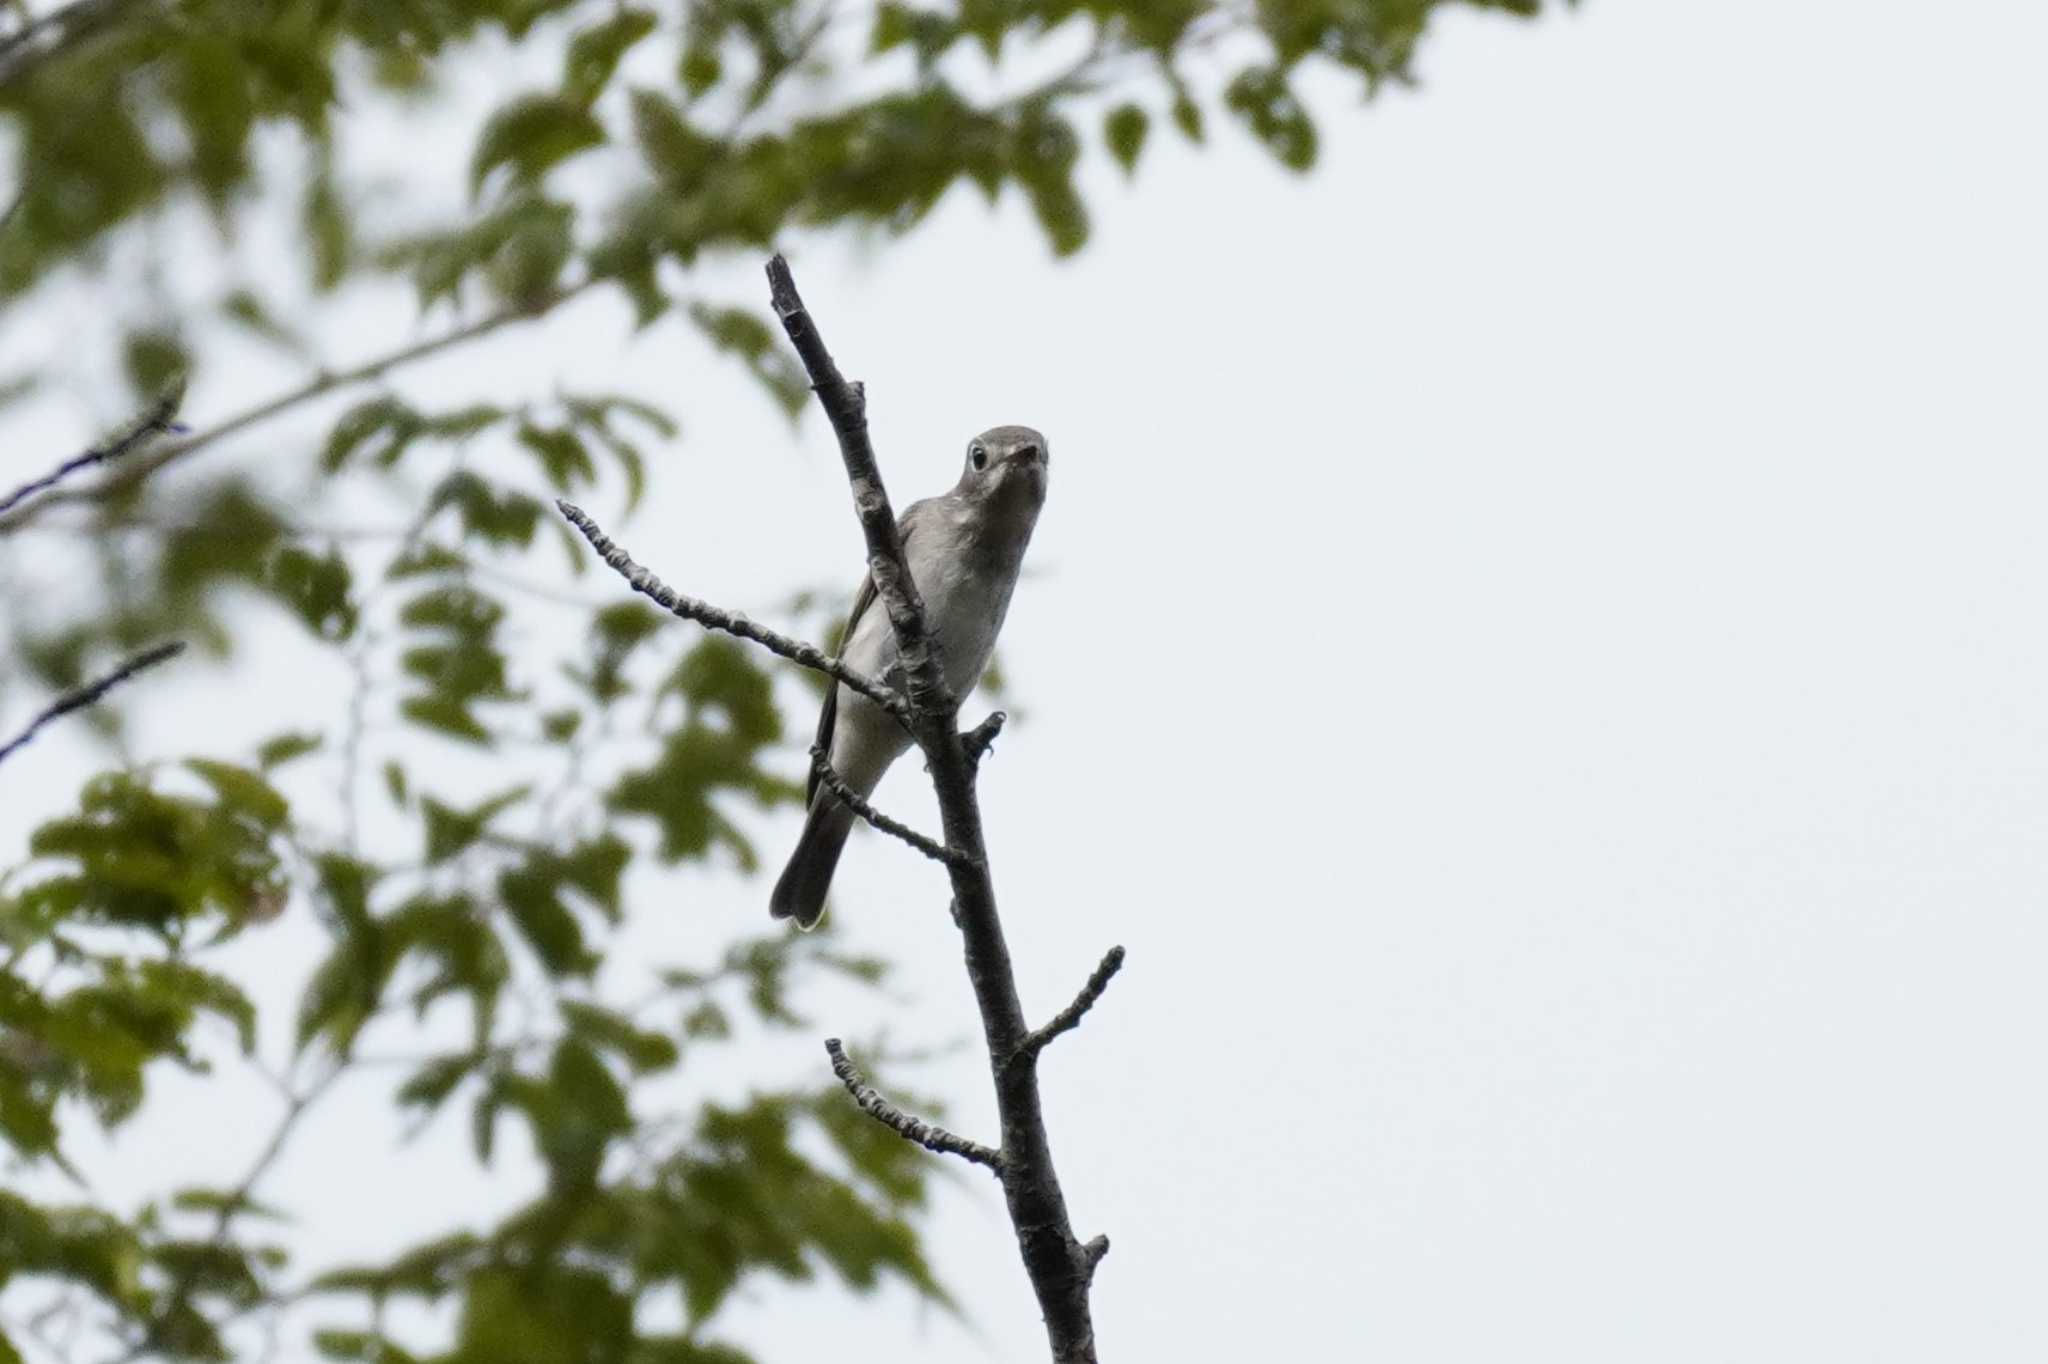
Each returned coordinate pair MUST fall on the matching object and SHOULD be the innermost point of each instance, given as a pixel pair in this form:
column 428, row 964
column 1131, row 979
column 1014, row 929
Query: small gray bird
column 963, row 549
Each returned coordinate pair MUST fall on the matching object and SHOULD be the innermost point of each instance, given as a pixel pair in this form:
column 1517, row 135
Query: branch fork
column 821, row 763
column 1069, row 1018
column 643, row 581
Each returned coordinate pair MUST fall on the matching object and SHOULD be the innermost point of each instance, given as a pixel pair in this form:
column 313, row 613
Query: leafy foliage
column 480, row 945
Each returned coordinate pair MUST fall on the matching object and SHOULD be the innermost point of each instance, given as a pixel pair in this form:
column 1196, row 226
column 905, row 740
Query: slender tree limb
column 1069, row 1018
column 80, row 697
column 712, row 617
column 821, row 763
column 932, row 1138
column 846, row 405
column 318, row 387
column 1059, row 1266
column 157, row 419
column 297, row 1103
column 50, row 34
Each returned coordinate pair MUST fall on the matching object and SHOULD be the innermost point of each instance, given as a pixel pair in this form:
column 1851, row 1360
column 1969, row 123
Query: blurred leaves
column 729, row 719
column 401, row 547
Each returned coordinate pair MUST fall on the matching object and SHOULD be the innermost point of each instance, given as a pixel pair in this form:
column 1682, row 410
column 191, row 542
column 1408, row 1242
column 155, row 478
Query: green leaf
column 611, row 1031
column 345, row 884
column 384, row 416
column 562, row 456
column 450, row 933
column 155, row 358
column 430, row 1086
column 741, row 333
column 329, row 232
column 532, row 134
column 244, row 308
column 244, row 791
column 1260, row 96
column 176, row 991
column 345, row 989
column 274, row 753
column 1124, row 129
column 544, row 1316
column 595, row 52
column 675, row 151
column 225, row 1201
column 449, row 831
column 532, row 896
column 460, row 666
column 498, row 518
column 395, row 784
column 699, row 70
column 316, row 588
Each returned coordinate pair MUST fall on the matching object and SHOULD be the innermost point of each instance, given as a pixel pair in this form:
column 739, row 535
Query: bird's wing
column 828, row 715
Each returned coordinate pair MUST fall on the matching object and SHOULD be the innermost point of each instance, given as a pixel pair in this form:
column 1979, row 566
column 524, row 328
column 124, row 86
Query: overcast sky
column 1538, row 650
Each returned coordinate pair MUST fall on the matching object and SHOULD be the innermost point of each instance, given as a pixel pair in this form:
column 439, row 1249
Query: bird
column 964, row 549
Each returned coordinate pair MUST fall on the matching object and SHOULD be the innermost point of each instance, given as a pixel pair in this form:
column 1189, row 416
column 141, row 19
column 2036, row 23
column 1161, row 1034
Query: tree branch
column 80, row 697
column 712, row 617
column 846, row 405
column 1069, row 1018
column 910, row 1129
column 50, row 34
column 1059, row 1266
column 821, row 763
column 317, row 387
column 154, row 421
column 178, row 1298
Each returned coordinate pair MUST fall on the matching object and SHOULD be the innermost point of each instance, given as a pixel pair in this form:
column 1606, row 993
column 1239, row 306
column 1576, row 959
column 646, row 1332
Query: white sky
column 1538, row 652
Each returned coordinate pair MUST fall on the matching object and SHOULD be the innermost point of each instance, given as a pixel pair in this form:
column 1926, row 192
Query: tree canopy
column 194, row 177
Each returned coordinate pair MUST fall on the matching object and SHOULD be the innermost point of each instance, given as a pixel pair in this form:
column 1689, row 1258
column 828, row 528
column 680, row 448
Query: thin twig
column 910, row 1129
column 156, row 420
column 22, row 50
column 1093, row 1252
column 821, row 763
column 1067, row 1019
column 979, row 740
column 80, row 697
column 717, row 618
column 237, row 1201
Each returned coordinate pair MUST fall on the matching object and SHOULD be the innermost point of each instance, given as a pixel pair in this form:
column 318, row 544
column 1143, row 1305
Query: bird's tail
column 800, row 891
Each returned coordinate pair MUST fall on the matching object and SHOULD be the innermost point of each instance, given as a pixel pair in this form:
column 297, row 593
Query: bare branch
column 80, row 697
column 846, row 405
column 318, row 387
column 712, row 617
column 1069, row 1018
column 238, row 1201
column 910, row 1129
column 821, row 763
column 52, row 34
column 156, row 420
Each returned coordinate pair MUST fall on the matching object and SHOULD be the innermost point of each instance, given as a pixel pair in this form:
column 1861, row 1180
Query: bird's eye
column 977, row 455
